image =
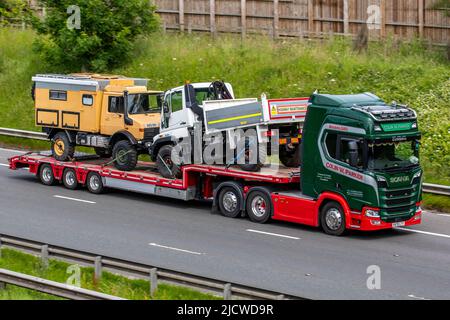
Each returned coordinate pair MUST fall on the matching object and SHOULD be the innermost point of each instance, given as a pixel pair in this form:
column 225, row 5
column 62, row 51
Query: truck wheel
column 69, row 179
column 259, row 207
column 125, row 155
column 46, row 175
column 260, row 157
column 102, row 152
column 229, row 202
column 290, row 158
column 94, row 183
column 332, row 219
column 62, row 148
column 165, row 164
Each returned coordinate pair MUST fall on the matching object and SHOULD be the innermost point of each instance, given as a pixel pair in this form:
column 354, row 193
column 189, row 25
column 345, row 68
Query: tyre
column 261, row 156
column 46, row 175
column 102, row 152
column 229, row 202
column 332, row 219
column 290, row 158
column 62, row 148
column 259, row 207
column 69, row 179
column 94, row 183
column 125, row 155
column 166, row 166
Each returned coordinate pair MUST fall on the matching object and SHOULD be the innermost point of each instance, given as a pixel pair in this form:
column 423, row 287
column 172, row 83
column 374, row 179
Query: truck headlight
column 414, row 125
column 371, row 213
column 417, row 174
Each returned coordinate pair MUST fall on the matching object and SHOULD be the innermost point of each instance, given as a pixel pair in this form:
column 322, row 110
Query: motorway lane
column 186, row 237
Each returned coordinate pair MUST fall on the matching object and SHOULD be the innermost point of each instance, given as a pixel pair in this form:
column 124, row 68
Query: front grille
column 398, row 202
column 150, row 133
column 399, row 193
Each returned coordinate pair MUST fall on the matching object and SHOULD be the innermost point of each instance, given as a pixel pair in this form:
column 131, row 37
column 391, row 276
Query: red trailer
column 272, row 193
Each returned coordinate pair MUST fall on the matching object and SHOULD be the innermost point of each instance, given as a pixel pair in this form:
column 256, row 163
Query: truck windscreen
column 393, row 155
column 142, row 103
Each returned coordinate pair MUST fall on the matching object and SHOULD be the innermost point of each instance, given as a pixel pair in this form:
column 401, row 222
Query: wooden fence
column 400, row 18
column 404, row 19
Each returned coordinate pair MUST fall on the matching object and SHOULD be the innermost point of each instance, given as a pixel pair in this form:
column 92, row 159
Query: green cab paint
column 382, row 139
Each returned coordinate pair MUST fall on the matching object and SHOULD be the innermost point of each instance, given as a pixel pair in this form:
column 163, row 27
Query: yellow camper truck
column 116, row 115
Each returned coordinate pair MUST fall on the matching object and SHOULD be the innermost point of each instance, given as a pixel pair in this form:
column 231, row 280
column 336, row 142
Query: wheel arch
column 51, row 133
column 234, row 184
column 122, row 135
column 265, row 189
column 159, row 144
column 328, row 197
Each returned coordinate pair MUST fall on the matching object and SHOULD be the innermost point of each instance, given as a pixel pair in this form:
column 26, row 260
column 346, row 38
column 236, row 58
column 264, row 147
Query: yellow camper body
column 96, row 110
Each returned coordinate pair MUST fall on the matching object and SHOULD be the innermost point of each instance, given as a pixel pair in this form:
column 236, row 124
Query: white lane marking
column 12, row 150
column 418, row 298
column 272, row 234
column 175, row 249
column 444, row 215
column 74, row 199
column 425, row 232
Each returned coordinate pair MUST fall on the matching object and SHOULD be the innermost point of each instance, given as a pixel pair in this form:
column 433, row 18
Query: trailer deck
column 146, row 179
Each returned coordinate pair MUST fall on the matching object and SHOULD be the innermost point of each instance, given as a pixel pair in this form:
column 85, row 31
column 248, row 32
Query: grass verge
column 436, row 202
column 110, row 284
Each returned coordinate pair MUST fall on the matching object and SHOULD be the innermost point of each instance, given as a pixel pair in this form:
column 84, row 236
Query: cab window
column 176, row 99
column 116, row 105
column 348, row 145
column 331, row 143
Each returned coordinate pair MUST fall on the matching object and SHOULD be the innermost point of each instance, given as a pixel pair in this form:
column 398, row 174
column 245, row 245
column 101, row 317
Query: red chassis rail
column 288, row 206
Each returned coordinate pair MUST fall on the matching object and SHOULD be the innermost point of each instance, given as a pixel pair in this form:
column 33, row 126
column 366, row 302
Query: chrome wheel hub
column 94, row 182
column 230, row 201
column 47, row 174
column 259, row 206
column 70, row 178
column 333, row 219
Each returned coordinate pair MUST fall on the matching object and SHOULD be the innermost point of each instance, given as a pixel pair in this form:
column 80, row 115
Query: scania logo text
column 399, row 179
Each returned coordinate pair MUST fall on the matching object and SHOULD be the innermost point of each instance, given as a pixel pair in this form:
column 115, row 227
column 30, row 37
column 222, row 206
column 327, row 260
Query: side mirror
column 189, row 93
column 127, row 120
column 165, row 107
column 160, row 101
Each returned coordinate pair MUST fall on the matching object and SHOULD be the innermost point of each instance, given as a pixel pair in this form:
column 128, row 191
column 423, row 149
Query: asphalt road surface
column 414, row 263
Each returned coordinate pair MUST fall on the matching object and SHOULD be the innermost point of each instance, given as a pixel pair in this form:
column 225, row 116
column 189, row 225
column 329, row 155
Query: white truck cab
column 176, row 116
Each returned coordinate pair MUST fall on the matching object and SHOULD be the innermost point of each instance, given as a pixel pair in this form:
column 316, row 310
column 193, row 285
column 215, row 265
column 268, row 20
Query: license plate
column 398, row 224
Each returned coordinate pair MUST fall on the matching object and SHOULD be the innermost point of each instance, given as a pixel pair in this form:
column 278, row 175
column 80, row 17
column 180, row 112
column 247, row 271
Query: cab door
column 112, row 119
column 177, row 115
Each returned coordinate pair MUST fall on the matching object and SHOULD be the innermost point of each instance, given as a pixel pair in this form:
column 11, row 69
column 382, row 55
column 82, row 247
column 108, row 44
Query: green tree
column 13, row 10
column 93, row 35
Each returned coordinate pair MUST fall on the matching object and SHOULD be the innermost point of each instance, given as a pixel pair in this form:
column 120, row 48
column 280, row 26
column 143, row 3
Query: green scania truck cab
column 367, row 152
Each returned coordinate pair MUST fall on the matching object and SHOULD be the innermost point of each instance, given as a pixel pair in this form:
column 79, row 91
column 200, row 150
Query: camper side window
column 115, row 105
column 58, row 95
column 88, row 100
